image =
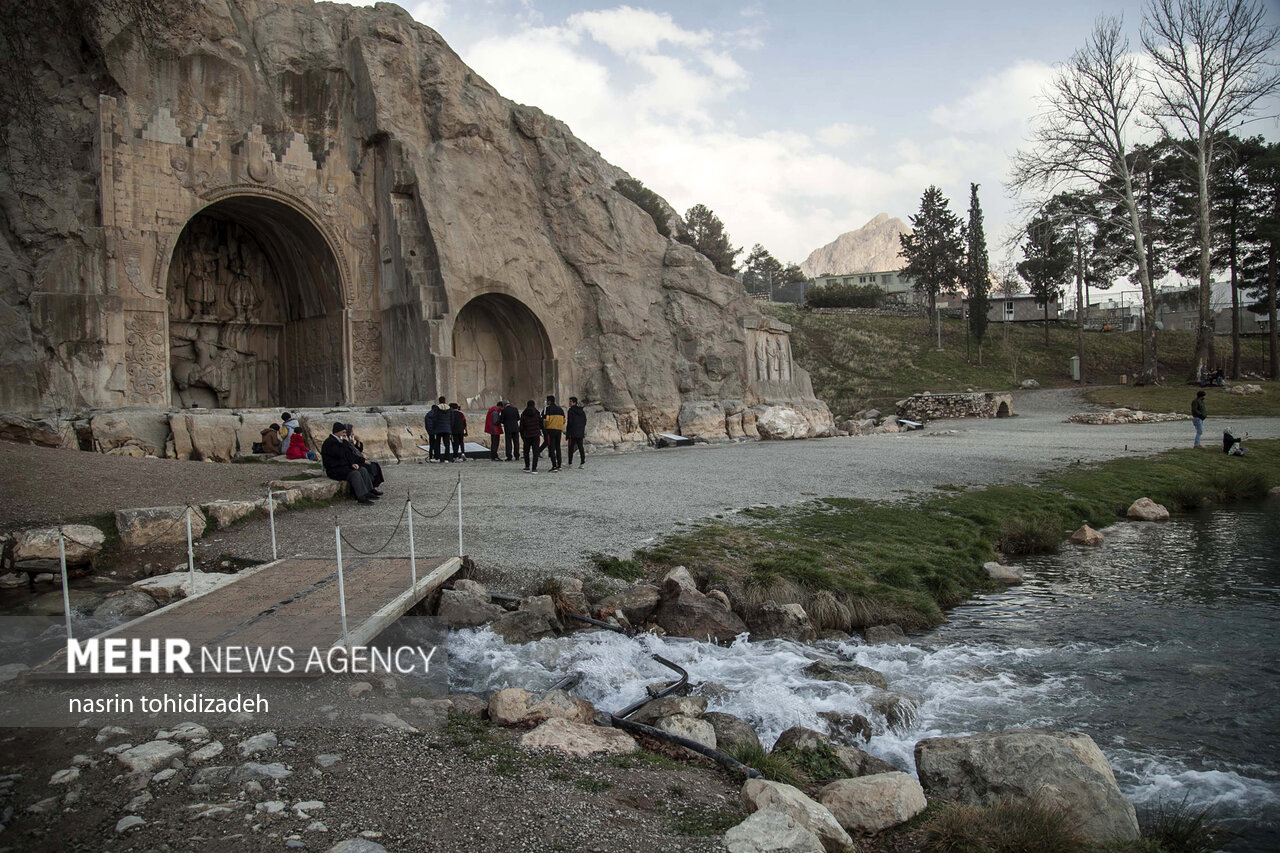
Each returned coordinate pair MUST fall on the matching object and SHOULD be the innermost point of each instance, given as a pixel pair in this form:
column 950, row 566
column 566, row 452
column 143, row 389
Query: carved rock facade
column 292, row 205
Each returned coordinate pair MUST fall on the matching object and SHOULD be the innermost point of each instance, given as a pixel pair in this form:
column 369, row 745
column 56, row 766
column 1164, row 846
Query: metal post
column 66, row 592
column 342, row 586
column 460, row 551
column 271, row 511
column 191, row 556
column 413, row 557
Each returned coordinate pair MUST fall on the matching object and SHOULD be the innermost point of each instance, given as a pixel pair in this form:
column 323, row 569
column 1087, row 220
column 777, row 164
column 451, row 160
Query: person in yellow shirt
column 553, row 428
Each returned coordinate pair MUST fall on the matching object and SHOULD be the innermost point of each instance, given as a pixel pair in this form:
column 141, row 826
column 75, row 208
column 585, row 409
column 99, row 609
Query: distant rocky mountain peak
column 872, row 248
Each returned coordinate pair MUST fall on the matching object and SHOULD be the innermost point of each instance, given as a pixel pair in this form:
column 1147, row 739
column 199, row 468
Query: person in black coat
column 575, row 430
column 458, row 419
column 511, row 429
column 374, row 469
column 342, row 462
column 531, row 435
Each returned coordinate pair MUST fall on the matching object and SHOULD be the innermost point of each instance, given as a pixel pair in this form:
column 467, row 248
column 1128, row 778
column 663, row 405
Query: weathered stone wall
column 937, row 407
column 395, row 192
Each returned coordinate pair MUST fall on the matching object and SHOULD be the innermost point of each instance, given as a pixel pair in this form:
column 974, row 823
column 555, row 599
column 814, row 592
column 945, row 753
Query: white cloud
column 841, row 133
column 629, row 31
column 433, row 13
column 999, row 103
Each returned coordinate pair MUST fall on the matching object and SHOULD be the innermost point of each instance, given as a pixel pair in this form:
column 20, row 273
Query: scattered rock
column 206, row 752
column 184, row 732
column 10, row 671
column 227, row 513
column 149, row 757
column 357, row 845
column 845, row 672
column 891, row 633
column 1145, row 509
column 873, row 803
column 470, row 587
column 464, row 703
column 389, row 720
column 515, row 706
column 1086, row 535
column 1242, row 389
column 360, row 688
column 857, row 762
column 758, row 794
column 81, row 541
column 686, row 612
column 637, row 603
column 64, row 777
column 1065, row 768
column 690, row 728
column 328, row 759
column 677, row 579
column 522, row 626
column 270, row 807
column 1028, row 384
column 774, row 621
column 164, row 775
column 124, row 605
column 847, row 728
column 177, row 584
column 543, row 606
column 303, row 809
column 258, row 743
column 106, row 733
column 732, row 733
column 578, row 739
column 568, row 593
column 771, row 831
column 139, row 801
column 156, row 525
column 780, row 423
column 689, row 706
column 1009, row 575
column 127, row 823
column 1125, row 416
column 463, row 610
column 253, row 770
column 798, row 737
column 720, row 597
column 898, row 709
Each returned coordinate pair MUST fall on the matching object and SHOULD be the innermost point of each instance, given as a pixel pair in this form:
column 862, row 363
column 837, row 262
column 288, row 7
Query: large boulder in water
column 686, row 612
column 1061, row 768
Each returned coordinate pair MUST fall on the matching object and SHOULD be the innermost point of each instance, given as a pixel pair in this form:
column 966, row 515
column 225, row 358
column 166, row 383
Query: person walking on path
column 429, row 421
column 576, row 430
column 553, row 426
column 458, row 421
column 1198, row 414
column 511, row 429
column 531, row 435
column 341, row 463
column 441, row 438
column 493, row 428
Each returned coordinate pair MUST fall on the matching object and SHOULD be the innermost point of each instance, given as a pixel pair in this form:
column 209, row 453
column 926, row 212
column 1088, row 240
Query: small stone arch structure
column 500, row 349
column 255, row 298
column 1004, row 410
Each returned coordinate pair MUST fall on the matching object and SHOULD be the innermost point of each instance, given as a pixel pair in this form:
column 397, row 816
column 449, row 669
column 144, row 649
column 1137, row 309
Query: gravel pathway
column 521, row 528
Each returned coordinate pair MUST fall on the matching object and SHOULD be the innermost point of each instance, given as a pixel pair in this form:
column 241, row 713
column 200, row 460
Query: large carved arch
column 500, row 349
column 256, row 297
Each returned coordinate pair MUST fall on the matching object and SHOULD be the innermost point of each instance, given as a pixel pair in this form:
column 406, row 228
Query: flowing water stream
column 1161, row 645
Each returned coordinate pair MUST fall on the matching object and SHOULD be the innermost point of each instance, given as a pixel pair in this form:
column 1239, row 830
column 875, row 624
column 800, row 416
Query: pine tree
column 934, row 250
column 977, row 273
column 1046, row 263
column 761, row 270
column 706, row 234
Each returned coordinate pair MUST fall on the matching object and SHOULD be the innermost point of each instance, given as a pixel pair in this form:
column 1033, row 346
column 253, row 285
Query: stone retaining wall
column 937, row 407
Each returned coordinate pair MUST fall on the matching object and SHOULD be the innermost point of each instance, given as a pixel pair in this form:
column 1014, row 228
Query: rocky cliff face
column 871, row 248
column 433, row 189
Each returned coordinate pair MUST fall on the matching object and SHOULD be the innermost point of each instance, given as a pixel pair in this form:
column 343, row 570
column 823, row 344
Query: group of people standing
column 446, row 425
column 537, row 431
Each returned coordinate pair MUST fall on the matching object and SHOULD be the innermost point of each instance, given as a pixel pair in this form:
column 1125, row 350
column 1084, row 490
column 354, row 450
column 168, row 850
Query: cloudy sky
column 794, row 121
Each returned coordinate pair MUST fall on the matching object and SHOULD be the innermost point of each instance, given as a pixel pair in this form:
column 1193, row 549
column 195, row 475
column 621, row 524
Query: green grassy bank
column 854, row 563
column 1177, row 398
column 862, row 360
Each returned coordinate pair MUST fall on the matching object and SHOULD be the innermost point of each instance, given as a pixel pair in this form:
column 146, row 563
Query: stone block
column 578, row 740
column 145, row 429
column 226, row 513
column 759, row 794
column 80, row 541
column 701, row 419
column 43, row 432
column 204, row 436
column 782, row 423
column 405, row 431
column 771, row 831
column 873, row 803
column 1145, row 509
column 157, row 525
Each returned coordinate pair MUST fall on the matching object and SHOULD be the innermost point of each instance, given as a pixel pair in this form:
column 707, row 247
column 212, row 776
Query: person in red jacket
column 493, row 428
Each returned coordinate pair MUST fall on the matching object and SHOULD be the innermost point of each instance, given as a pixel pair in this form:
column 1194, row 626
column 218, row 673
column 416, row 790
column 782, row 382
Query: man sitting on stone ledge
column 342, row 462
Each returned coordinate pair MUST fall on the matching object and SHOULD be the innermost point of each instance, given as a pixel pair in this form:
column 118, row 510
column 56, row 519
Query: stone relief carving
column 366, row 359
column 771, row 357
column 144, row 336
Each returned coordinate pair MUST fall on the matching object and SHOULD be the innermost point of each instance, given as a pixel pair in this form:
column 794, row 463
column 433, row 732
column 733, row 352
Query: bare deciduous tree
column 1082, row 140
column 1212, row 61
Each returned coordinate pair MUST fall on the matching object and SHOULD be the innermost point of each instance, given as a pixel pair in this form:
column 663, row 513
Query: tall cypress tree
column 977, row 276
column 1046, row 263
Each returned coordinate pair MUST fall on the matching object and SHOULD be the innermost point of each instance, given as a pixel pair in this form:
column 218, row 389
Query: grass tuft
column 1030, row 534
column 614, row 567
column 1011, row 826
column 774, row 766
column 1176, row 827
